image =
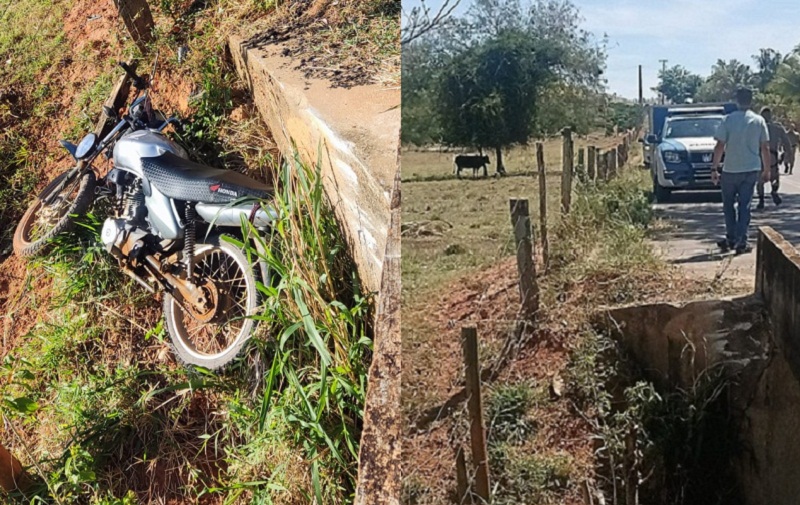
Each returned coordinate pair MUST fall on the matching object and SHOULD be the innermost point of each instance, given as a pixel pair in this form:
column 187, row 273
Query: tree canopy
column 488, row 94
column 767, row 63
column 479, row 79
column 677, row 84
column 774, row 77
column 726, row 77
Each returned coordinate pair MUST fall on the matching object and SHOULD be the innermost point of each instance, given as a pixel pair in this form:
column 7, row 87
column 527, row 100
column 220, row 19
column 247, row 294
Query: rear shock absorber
column 189, row 239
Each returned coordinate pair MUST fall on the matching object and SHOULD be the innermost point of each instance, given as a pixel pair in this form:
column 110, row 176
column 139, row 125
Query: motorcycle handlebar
column 138, row 82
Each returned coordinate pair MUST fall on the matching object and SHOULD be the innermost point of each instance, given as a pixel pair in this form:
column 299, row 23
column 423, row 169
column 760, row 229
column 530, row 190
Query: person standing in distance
column 777, row 138
column 744, row 140
column 794, row 141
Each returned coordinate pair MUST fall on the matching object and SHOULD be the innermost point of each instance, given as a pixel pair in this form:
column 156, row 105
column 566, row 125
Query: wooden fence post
column 543, row 207
column 463, row 496
column 603, row 162
column 138, row 20
column 567, row 157
column 612, row 163
column 591, row 165
column 117, row 99
column 528, row 289
column 480, row 459
column 581, row 168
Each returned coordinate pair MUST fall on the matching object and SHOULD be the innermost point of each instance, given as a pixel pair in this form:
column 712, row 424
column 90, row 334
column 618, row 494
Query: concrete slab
column 353, row 133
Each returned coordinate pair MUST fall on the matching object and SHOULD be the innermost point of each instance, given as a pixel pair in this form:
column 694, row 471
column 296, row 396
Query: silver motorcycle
column 162, row 204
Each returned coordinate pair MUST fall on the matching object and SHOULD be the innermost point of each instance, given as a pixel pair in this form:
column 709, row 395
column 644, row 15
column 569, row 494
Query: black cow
column 473, row 161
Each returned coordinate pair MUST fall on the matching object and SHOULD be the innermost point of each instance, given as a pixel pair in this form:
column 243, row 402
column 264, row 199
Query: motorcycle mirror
column 109, row 112
column 86, row 146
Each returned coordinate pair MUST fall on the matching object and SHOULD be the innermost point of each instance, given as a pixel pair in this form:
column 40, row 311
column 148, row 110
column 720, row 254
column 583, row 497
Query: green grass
column 32, row 45
column 28, row 48
column 96, row 403
column 605, row 235
column 94, row 397
column 18, row 178
column 101, row 416
column 530, row 477
column 88, row 106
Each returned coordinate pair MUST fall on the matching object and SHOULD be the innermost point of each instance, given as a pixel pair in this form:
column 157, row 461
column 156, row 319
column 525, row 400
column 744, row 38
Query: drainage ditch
column 703, row 406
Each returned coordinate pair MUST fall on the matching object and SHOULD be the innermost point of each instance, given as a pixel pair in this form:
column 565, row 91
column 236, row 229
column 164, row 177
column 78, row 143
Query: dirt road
column 697, row 223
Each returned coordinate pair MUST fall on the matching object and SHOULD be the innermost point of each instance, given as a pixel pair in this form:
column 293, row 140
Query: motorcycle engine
column 124, row 236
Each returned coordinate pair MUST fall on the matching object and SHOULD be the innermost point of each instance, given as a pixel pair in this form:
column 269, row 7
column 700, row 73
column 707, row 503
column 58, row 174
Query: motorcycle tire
column 188, row 347
column 24, row 244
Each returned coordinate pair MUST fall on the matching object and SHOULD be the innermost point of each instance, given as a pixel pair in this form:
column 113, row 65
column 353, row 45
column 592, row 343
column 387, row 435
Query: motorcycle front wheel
column 215, row 339
column 52, row 212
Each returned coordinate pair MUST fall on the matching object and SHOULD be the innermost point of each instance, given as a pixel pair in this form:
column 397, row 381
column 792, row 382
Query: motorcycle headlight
column 86, row 146
column 672, row 157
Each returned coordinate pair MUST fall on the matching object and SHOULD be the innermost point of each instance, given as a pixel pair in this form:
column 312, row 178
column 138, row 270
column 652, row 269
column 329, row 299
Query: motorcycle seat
column 182, row 179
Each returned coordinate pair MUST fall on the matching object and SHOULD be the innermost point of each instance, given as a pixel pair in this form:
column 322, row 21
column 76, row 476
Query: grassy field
column 520, row 160
column 458, row 269
column 453, row 227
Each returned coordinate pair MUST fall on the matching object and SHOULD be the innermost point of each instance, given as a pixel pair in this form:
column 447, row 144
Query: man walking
column 744, row 139
column 777, row 138
column 794, row 140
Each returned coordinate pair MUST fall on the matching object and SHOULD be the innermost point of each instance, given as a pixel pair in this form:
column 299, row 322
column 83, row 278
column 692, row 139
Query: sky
column 691, row 33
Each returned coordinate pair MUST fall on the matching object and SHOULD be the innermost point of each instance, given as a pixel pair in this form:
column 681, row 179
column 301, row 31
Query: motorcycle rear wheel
column 216, row 343
column 52, row 212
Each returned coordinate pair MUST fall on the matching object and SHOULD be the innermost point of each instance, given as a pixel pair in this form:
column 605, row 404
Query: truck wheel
column 662, row 194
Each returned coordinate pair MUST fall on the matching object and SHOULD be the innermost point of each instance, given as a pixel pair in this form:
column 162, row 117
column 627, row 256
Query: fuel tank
column 131, row 148
column 128, row 153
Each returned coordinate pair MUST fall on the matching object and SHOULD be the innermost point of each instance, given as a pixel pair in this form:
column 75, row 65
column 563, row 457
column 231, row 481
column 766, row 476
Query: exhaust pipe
column 227, row 215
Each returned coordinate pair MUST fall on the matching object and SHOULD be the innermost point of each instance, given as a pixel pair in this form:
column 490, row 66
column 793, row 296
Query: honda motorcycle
column 166, row 228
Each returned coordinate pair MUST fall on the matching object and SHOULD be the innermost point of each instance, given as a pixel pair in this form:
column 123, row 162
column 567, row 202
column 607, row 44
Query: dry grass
column 458, row 269
column 348, row 42
column 425, row 165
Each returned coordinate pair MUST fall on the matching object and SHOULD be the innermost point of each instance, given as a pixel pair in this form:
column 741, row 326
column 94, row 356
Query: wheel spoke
column 231, row 281
column 47, row 216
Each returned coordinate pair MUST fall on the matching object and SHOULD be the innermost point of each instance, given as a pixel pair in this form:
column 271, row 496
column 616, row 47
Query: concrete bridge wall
column 353, row 135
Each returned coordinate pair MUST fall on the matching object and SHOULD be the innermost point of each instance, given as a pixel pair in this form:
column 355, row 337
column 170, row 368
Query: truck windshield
column 691, row 127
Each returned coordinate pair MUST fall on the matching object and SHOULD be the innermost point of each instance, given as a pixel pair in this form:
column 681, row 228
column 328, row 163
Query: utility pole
column 663, row 71
column 641, row 96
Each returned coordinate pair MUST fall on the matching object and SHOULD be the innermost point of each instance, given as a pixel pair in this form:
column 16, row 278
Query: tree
column 421, row 19
column 561, row 104
column 787, row 79
column 420, row 71
column 725, row 79
column 677, row 84
column 488, row 93
column 767, row 63
column 501, row 58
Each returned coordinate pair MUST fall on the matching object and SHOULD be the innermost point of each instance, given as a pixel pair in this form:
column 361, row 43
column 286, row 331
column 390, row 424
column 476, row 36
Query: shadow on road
column 698, row 223
column 698, row 258
column 698, row 217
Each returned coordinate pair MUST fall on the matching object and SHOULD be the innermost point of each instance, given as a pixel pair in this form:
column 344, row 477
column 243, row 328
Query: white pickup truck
column 681, row 146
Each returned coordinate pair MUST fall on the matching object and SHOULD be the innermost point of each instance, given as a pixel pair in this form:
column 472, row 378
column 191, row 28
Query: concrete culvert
column 747, row 439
